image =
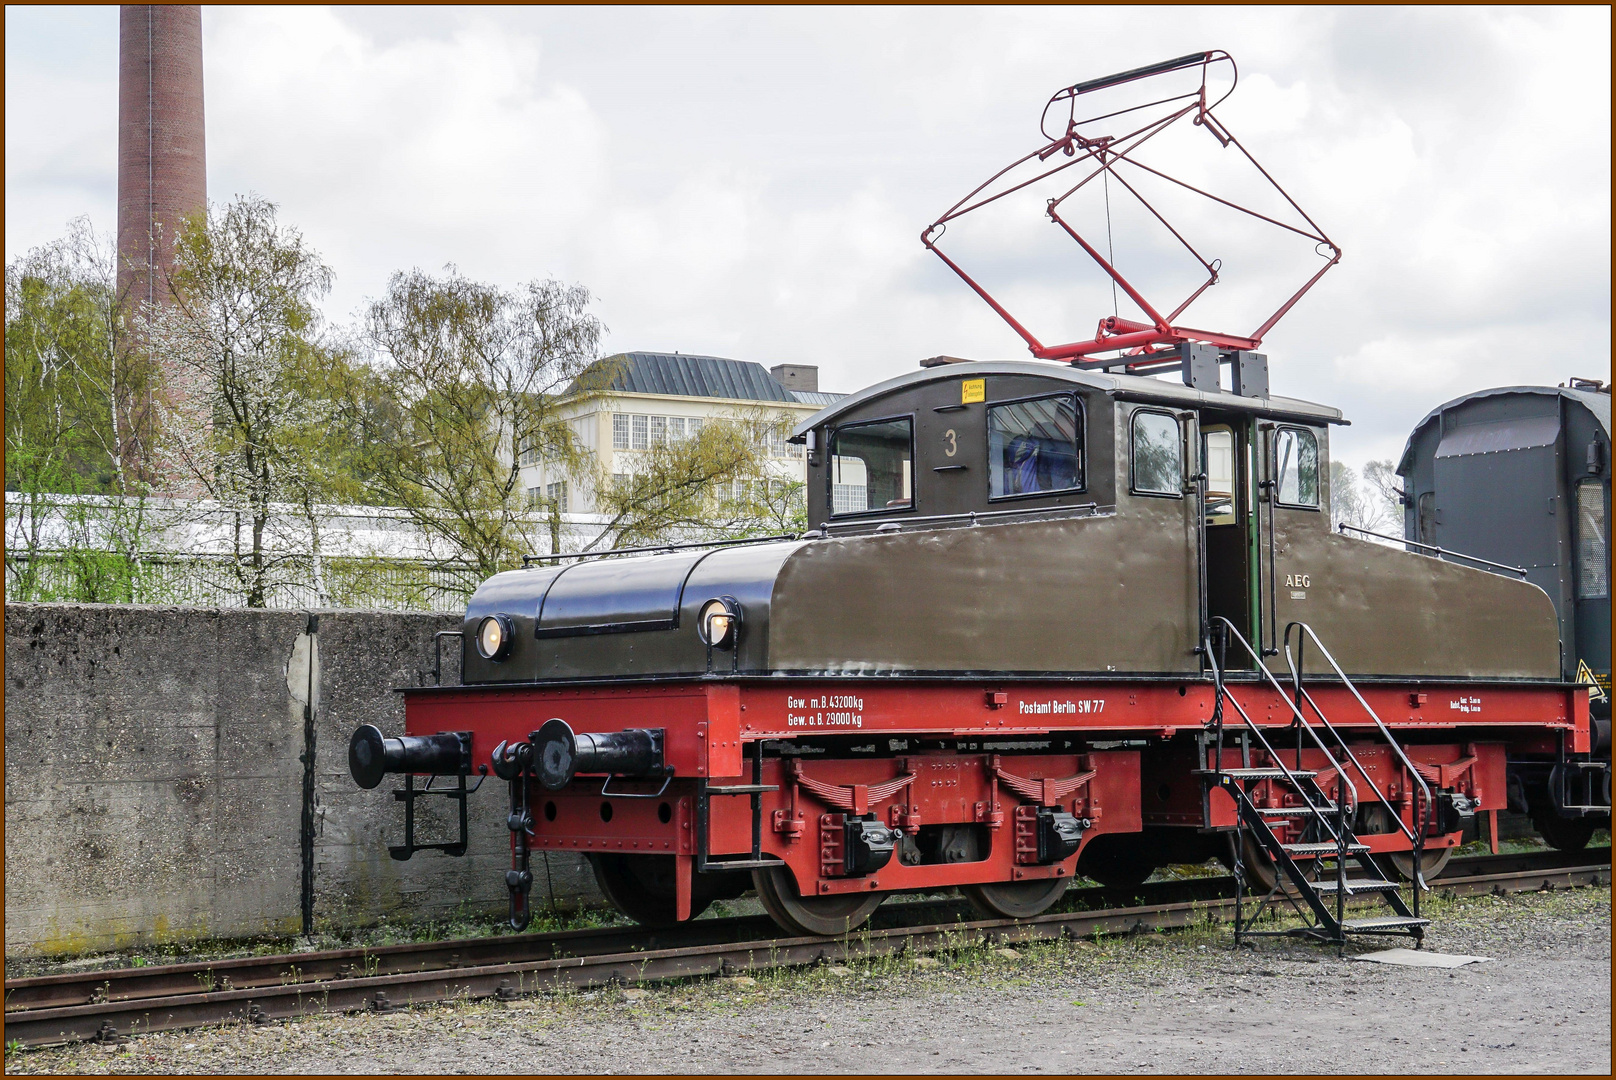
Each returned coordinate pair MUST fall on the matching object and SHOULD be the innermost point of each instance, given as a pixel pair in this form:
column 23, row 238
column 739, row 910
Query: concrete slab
column 1420, row 958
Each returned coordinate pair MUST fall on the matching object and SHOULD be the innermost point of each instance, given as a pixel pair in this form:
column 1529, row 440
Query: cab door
column 1226, row 461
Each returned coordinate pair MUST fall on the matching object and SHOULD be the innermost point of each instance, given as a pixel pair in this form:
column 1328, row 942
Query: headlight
column 495, row 636
column 719, row 623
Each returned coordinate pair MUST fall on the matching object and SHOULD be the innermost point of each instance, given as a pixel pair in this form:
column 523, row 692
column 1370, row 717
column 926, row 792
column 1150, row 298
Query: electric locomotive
column 1048, row 619
column 995, row 660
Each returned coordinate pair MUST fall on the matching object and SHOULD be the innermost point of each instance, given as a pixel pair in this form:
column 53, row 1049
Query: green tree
column 715, row 485
column 80, row 448
column 467, row 376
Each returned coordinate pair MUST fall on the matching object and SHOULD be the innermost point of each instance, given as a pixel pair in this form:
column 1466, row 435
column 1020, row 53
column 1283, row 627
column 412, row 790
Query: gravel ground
column 1183, row 1002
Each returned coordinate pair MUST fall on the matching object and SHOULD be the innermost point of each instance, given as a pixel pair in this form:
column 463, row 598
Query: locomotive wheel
column 1116, row 861
column 1014, row 899
column 1261, row 873
column 813, row 916
column 1563, row 834
column 1432, row 863
column 1401, row 863
column 642, row 887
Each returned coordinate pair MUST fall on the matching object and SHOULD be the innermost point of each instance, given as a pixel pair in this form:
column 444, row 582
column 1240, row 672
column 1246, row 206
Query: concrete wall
column 155, row 779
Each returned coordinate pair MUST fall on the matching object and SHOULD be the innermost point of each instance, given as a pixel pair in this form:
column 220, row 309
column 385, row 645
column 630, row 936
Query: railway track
column 108, row 1004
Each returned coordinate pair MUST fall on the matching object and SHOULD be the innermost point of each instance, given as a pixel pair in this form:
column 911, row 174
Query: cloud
column 753, row 182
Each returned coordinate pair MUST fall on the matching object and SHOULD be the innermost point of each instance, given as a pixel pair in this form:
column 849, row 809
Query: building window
column 1296, row 466
column 693, row 426
column 1034, row 446
column 535, row 498
column 584, row 428
column 1158, row 462
column 641, row 427
column 676, row 428
column 556, row 493
column 530, row 454
column 871, row 467
column 619, row 431
column 659, row 430
column 1593, row 551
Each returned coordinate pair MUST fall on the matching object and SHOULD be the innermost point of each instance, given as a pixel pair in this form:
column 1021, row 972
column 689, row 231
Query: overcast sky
column 753, row 183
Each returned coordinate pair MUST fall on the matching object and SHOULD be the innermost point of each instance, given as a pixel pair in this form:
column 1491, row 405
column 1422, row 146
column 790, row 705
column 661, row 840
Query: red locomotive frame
column 713, row 730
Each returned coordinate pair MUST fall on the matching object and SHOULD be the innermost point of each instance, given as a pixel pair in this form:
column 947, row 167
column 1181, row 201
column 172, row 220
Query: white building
column 660, row 397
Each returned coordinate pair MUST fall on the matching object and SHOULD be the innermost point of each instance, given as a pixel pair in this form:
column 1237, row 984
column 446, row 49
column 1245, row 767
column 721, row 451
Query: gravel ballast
column 1168, row 1003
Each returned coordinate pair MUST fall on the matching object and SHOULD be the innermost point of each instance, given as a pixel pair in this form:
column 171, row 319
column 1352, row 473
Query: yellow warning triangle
column 1585, row 674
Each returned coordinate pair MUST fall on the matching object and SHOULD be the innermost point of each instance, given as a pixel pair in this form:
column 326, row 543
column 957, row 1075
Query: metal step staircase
column 1318, row 862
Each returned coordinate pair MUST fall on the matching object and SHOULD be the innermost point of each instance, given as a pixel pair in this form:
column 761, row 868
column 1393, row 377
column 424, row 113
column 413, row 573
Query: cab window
column 1296, row 467
column 1217, row 448
column 1158, row 454
column 1593, row 556
column 1035, row 446
column 871, row 467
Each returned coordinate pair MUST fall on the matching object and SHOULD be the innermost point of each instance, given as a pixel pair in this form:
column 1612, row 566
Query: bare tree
column 1386, row 492
column 240, row 335
column 1372, row 503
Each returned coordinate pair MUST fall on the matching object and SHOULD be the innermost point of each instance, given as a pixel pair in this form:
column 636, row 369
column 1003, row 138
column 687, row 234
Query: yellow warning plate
column 972, row 391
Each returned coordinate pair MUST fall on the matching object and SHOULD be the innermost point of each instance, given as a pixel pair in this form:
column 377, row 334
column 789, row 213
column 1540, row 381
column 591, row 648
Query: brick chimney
column 162, row 168
column 796, row 376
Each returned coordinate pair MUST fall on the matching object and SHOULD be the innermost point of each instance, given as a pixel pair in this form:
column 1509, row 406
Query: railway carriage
column 1045, row 622
column 1516, row 480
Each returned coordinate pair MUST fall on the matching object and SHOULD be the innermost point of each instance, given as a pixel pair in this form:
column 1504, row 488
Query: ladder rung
column 742, row 789
column 1356, row 885
column 1324, row 849
column 1293, row 811
column 1258, row 774
column 1384, row 922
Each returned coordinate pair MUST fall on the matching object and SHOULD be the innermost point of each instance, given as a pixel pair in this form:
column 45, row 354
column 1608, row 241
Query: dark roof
column 1127, row 387
column 816, row 397
column 1595, row 402
column 694, row 376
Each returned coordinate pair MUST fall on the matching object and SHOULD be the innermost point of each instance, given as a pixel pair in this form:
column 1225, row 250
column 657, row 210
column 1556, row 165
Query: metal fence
column 208, row 581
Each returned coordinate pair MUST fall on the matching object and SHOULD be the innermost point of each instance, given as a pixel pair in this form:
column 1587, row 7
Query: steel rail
column 609, row 956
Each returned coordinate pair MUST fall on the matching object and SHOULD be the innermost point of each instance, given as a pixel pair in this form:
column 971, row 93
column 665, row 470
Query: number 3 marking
column 953, row 443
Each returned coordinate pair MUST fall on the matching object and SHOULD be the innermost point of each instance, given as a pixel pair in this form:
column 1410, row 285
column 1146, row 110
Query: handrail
column 526, row 559
column 1296, row 682
column 1217, row 676
column 437, row 654
column 1087, row 509
column 1425, row 818
column 1344, row 527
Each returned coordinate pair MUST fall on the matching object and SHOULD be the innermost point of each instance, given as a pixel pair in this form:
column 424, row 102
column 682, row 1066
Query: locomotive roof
column 1129, row 387
column 1596, row 403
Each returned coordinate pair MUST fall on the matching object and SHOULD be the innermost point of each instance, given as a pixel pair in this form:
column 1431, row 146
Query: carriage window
column 1296, row 466
column 1217, row 445
column 1158, row 461
column 1593, row 553
column 871, row 467
column 1034, row 446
